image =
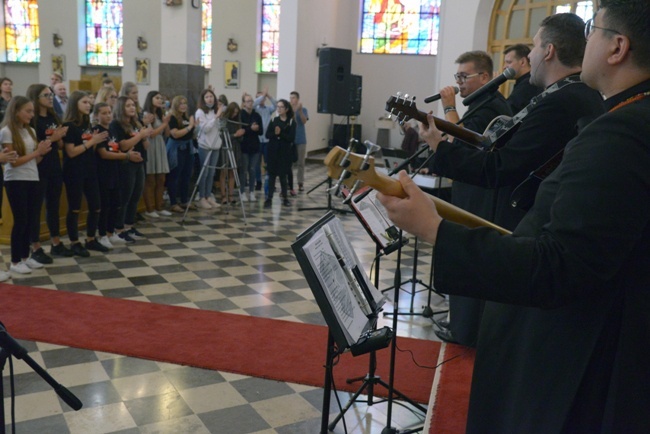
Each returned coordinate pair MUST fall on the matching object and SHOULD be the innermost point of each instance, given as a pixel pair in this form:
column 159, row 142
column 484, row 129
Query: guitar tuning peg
column 406, row 96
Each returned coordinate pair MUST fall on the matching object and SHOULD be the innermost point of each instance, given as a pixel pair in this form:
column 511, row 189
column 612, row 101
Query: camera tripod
column 229, row 164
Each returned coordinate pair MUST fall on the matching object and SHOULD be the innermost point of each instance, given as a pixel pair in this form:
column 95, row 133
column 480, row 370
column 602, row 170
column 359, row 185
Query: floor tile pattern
column 218, row 260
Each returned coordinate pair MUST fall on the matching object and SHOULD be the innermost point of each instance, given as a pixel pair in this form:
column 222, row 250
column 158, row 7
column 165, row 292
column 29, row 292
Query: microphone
column 491, row 86
column 437, row 96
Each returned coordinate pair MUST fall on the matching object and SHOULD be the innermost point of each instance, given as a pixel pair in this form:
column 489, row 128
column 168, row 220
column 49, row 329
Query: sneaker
column 40, row 256
column 61, row 251
column 79, row 250
column 134, row 233
column 177, row 209
column 213, row 202
column 292, row 192
column 105, row 242
column 152, row 215
column 20, row 268
column 286, row 202
column 164, row 213
column 33, row 263
column 268, row 203
column 4, row 276
column 204, row 204
column 96, row 246
column 139, row 218
column 126, row 237
column 244, row 198
column 301, row 187
column 115, row 240
column 251, row 197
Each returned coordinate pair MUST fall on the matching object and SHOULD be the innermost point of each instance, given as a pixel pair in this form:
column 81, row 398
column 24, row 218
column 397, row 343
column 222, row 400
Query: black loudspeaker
column 354, row 99
column 334, row 80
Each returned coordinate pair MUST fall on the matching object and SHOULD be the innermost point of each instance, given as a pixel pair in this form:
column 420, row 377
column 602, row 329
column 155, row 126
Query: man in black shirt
column 516, row 57
column 565, row 349
column 474, row 71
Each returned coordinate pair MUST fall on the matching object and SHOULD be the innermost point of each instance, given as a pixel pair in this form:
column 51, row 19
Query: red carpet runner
column 258, row 347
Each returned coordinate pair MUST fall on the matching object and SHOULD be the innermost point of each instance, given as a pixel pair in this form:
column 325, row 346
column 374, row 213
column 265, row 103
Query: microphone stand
column 8, row 347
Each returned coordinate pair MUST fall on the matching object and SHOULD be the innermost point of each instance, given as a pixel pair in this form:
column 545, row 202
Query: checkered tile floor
column 216, row 260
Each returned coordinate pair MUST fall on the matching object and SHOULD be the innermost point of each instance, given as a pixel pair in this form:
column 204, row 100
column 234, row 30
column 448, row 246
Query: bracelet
column 449, row 108
column 128, row 155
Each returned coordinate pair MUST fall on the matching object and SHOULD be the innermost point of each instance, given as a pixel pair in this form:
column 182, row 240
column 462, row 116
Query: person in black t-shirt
column 179, row 155
column 48, row 126
column 127, row 131
column 80, row 172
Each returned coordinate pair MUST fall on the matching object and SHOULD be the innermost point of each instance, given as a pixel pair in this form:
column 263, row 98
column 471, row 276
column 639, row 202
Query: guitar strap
column 502, row 127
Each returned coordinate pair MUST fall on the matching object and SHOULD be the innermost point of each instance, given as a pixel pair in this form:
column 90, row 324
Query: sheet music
column 351, row 258
column 335, row 284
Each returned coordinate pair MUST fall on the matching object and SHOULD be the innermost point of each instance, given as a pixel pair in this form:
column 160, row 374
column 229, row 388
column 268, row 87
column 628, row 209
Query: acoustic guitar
column 357, row 169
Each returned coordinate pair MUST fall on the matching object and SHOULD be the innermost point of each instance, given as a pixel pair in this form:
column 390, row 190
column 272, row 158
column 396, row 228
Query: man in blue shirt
column 302, row 116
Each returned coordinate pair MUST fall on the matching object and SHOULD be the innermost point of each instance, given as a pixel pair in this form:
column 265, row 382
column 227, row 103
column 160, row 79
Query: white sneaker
column 116, row 240
column 4, row 276
column 152, row 215
column 164, row 213
column 204, row 204
column 105, row 242
column 244, row 198
column 33, row 264
column 251, row 197
column 20, row 268
column 213, row 202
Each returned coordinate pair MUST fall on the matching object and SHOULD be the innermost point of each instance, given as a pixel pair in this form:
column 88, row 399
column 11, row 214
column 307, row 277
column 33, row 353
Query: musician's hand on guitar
column 430, row 134
column 416, row 213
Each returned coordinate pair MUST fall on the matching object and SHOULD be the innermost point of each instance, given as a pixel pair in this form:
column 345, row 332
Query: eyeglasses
column 46, row 95
column 462, row 78
column 281, row 106
column 589, row 28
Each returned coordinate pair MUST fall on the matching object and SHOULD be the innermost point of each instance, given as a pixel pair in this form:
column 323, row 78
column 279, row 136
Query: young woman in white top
column 206, row 118
column 21, row 179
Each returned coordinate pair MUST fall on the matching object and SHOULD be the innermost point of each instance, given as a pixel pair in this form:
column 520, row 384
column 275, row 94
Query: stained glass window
column 270, row 36
column 206, row 34
column 21, row 31
column 104, row 39
column 400, row 26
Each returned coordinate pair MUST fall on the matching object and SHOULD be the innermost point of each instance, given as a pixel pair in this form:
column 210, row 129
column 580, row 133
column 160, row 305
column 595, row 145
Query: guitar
column 404, row 109
column 384, row 184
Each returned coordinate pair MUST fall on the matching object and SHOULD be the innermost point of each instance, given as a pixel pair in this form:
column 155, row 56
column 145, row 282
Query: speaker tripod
column 327, row 181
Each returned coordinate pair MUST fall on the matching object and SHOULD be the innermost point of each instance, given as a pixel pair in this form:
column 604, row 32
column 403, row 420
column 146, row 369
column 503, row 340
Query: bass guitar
column 360, row 168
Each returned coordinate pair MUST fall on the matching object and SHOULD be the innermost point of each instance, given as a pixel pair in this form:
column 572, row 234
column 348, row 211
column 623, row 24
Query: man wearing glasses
column 474, row 71
column 555, row 60
column 572, row 284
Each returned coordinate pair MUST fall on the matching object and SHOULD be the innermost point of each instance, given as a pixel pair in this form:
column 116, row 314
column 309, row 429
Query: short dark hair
column 567, row 34
column 296, row 94
column 481, row 60
column 521, row 50
column 631, row 18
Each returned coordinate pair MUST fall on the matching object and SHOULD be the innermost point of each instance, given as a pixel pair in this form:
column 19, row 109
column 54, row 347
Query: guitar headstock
column 403, row 109
column 357, row 167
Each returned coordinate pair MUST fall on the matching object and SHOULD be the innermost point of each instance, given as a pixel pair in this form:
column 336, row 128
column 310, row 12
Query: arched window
column 270, row 36
column 206, row 34
column 400, row 26
column 104, row 39
column 22, row 31
column 517, row 21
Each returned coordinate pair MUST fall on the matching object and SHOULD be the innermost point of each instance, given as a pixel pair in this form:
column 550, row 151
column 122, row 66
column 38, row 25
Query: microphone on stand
column 492, row 86
column 437, row 96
